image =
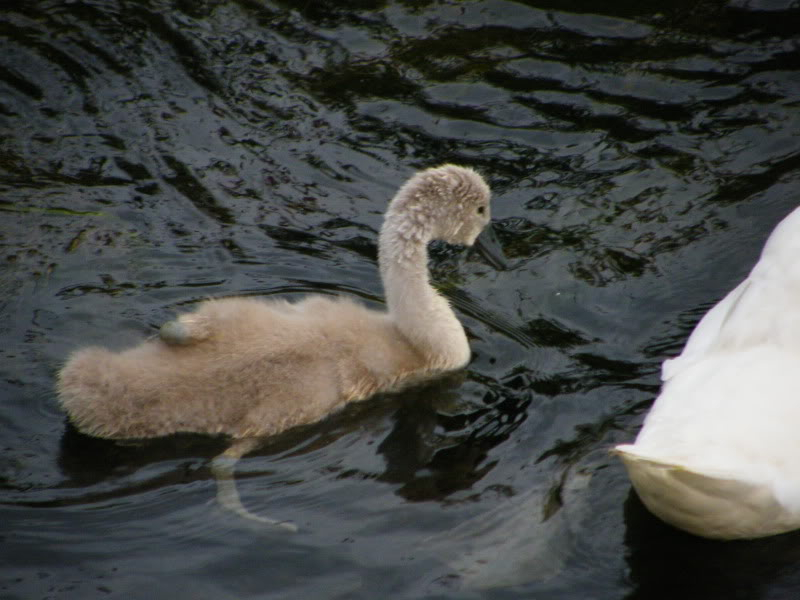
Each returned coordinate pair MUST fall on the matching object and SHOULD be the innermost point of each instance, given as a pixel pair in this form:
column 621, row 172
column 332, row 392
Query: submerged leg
column 222, row 467
column 186, row 329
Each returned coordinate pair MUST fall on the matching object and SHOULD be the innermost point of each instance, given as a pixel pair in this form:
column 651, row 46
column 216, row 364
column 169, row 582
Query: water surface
column 155, row 153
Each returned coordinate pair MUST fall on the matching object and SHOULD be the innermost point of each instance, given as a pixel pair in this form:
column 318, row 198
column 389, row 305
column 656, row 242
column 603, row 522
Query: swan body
column 250, row 368
column 718, row 453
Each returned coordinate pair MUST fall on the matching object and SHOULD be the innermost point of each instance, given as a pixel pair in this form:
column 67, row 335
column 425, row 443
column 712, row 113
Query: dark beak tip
column 489, row 249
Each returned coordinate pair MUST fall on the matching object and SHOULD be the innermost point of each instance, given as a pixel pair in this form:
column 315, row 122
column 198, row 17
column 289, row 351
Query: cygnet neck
column 416, row 308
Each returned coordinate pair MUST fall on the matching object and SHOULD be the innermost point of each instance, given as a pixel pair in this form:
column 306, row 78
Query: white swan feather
column 719, row 453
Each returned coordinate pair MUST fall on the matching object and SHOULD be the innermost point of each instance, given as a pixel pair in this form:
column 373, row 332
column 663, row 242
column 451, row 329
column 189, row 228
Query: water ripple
column 156, row 152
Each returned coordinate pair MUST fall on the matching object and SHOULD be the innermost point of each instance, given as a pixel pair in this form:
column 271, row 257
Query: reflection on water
column 664, row 561
column 154, row 153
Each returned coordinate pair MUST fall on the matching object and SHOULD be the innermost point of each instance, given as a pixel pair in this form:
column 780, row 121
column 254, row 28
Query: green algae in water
column 53, row 210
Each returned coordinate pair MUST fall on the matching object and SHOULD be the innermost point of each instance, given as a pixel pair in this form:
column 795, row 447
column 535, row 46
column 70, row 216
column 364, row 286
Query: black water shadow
column 666, row 563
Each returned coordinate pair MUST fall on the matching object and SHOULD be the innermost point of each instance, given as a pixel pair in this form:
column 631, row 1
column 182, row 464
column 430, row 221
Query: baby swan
column 718, row 453
column 250, row 368
column 246, row 367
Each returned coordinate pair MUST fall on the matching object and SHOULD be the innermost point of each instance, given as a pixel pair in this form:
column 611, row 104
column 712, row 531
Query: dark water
column 153, row 153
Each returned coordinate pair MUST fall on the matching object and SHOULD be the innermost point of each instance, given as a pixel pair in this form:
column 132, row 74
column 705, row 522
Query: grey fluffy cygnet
column 250, row 368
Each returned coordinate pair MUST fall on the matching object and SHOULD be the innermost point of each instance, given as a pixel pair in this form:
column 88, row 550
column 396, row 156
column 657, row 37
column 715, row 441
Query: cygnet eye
column 481, row 210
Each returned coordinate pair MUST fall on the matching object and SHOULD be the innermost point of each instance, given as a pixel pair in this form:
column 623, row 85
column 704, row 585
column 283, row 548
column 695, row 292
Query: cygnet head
column 448, row 203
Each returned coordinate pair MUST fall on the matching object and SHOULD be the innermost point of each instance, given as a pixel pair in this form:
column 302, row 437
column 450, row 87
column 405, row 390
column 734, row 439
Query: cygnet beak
column 488, row 248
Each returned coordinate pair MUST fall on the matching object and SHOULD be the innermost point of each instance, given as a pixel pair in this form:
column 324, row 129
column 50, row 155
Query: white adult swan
column 719, row 453
column 250, row 368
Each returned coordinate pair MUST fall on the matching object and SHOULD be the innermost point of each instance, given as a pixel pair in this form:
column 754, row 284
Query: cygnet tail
column 223, row 469
column 84, row 386
column 711, row 505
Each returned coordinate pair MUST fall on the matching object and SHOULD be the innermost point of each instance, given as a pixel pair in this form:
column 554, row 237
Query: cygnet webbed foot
column 184, row 331
column 222, row 467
